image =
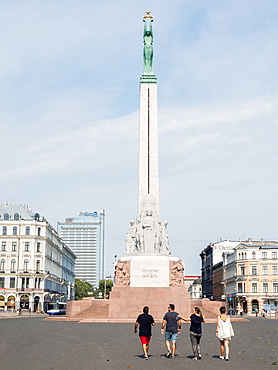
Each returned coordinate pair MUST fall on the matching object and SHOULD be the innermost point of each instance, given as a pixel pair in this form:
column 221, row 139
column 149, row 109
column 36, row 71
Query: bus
column 56, row 308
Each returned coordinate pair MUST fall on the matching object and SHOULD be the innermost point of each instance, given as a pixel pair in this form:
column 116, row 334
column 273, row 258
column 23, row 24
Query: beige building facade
column 251, row 277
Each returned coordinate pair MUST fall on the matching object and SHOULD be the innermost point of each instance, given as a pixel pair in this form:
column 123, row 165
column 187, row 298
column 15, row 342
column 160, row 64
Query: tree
column 81, row 289
column 109, row 284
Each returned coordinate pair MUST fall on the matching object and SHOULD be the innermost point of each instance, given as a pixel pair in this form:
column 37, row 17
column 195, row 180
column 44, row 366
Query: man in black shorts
column 146, row 322
column 173, row 327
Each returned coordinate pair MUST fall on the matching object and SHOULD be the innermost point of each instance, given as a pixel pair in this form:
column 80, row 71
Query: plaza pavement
column 30, row 342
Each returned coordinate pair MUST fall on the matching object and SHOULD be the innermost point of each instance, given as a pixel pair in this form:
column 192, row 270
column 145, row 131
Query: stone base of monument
column 128, row 302
column 149, row 280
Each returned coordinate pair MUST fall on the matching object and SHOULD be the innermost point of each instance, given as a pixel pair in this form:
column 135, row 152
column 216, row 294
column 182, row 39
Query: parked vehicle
column 56, row 308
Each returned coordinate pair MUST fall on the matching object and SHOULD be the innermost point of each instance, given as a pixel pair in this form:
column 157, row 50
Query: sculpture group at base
column 148, row 235
column 122, row 273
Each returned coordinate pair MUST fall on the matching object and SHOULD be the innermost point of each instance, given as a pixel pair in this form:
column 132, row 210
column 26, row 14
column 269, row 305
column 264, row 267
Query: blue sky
column 69, row 100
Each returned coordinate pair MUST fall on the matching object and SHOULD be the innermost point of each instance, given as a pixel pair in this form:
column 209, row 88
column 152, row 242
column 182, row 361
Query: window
column 6, row 216
column 38, row 265
column 264, row 255
column 254, row 287
column 254, row 270
column 22, row 283
column 2, row 282
column 13, row 262
column 275, row 287
column 3, row 246
column 27, row 247
column 4, row 232
column 14, row 245
column 26, row 265
column 264, row 270
column 12, row 282
column 239, row 288
column 27, row 282
column 242, row 270
column 39, row 231
column 16, row 216
column 265, row 287
column 27, row 230
column 2, row 265
column 254, row 255
column 274, row 270
column 274, row 255
column 38, row 247
column 14, row 230
column 239, row 256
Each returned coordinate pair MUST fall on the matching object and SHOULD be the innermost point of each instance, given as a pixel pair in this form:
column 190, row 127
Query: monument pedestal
column 148, row 280
column 127, row 302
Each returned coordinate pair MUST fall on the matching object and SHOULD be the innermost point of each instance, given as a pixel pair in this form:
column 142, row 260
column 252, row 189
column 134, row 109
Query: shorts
column 171, row 336
column 145, row 340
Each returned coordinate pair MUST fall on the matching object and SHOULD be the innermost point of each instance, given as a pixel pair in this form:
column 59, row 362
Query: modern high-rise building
column 84, row 235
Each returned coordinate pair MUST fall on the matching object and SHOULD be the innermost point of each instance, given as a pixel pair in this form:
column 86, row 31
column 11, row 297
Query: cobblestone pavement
column 32, row 343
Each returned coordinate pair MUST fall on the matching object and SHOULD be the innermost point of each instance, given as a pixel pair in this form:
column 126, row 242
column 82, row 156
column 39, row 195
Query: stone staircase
column 96, row 311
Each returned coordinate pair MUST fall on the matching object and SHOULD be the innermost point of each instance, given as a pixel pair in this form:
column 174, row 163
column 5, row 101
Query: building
column 210, row 256
column 251, row 276
column 189, row 279
column 32, row 273
column 195, row 288
column 218, row 290
column 84, row 235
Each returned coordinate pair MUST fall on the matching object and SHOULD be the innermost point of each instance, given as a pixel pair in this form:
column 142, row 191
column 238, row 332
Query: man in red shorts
column 146, row 322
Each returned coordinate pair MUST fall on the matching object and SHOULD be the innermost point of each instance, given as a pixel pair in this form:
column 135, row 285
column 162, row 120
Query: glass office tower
column 84, row 235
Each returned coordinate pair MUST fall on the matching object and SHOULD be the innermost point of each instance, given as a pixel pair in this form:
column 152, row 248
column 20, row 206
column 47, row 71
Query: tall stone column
column 148, row 141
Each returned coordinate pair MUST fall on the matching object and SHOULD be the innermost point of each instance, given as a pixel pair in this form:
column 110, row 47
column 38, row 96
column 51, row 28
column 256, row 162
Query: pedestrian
column 145, row 322
column 256, row 311
column 173, row 328
column 224, row 331
column 196, row 320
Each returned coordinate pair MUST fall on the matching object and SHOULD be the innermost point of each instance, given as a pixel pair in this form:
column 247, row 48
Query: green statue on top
column 148, row 46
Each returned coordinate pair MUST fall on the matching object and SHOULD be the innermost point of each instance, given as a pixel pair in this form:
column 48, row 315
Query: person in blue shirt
column 196, row 320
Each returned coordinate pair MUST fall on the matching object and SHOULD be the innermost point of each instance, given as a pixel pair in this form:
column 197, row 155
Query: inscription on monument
column 149, row 272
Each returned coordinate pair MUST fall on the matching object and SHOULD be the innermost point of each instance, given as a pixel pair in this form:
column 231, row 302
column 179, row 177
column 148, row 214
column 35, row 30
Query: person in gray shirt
column 173, row 328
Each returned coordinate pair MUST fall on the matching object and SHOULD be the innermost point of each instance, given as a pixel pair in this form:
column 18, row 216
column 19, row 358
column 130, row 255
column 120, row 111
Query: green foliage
column 81, row 289
column 109, row 284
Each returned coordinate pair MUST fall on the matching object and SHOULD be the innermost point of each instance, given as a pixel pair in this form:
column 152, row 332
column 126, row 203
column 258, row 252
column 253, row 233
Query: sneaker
column 146, row 357
column 221, row 357
column 199, row 357
column 173, row 356
column 195, row 358
column 227, row 358
column 168, row 354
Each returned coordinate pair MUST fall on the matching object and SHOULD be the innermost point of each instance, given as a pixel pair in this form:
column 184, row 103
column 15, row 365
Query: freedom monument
column 147, row 274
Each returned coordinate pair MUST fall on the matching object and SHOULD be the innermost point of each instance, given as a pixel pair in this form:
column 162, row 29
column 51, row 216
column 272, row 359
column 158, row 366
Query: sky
column 69, row 115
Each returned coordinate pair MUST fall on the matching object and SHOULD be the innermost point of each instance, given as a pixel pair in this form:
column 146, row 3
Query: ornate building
column 251, row 276
column 35, row 266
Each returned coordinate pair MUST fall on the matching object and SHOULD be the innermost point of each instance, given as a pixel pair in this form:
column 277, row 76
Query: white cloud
column 69, row 114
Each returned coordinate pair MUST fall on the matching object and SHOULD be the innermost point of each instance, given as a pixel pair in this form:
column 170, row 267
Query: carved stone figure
column 122, row 273
column 164, row 237
column 148, row 48
column 131, row 238
column 176, row 273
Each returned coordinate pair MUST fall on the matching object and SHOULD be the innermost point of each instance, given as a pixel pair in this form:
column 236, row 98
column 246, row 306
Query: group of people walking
column 171, row 327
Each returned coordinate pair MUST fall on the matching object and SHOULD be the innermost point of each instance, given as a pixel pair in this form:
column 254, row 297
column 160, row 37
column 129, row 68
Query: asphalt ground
column 32, row 343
